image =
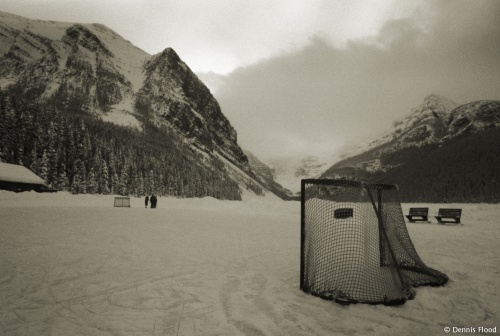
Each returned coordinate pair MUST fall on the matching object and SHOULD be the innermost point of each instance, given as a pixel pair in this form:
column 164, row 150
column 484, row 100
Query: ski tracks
column 255, row 307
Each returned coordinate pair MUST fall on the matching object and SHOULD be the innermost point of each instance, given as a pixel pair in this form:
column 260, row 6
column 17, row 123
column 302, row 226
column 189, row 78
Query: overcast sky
column 298, row 78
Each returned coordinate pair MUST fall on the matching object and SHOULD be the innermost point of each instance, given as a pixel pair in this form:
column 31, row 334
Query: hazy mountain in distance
column 266, row 176
column 439, row 153
column 289, row 172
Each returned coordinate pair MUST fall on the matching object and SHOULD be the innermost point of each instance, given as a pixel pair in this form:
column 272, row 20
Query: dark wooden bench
column 421, row 213
column 452, row 214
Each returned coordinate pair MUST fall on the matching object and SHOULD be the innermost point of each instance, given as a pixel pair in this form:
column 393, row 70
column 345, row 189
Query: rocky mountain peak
column 433, row 107
column 79, row 35
column 438, row 104
column 172, row 93
column 474, row 116
column 430, row 150
column 171, row 55
column 426, row 123
column 166, row 61
column 90, row 69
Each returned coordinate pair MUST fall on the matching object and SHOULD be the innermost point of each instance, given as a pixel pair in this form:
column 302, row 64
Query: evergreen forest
column 463, row 169
column 78, row 152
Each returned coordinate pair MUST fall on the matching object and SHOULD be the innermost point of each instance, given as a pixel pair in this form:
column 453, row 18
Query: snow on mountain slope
column 473, row 117
column 266, row 177
column 172, row 93
column 89, row 68
column 439, row 152
column 259, row 167
column 289, row 173
column 23, row 34
column 129, row 58
column 424, row 124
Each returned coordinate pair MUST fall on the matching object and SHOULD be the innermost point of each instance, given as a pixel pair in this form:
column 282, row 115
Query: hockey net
column 122, row 202
column 355, row 246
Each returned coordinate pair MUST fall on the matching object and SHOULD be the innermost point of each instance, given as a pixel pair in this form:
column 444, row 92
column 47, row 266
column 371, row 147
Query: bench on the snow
column 421, row 213
column 452, row 214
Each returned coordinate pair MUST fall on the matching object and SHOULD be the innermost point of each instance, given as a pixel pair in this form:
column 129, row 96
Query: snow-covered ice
column 75, row 265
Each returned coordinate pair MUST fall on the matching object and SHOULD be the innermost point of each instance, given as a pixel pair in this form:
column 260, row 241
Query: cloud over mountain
column 317, row 99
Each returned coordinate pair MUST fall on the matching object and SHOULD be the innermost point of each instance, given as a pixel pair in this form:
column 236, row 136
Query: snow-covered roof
column 15, row 173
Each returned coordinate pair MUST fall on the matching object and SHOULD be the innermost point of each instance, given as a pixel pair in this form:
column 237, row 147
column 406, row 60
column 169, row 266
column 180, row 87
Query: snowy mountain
column 267, row 177
column 432, row 151
column 86, row 64
column 259, row 167
column 474, row 117
column 309, row 167
column 289, row 173
column 89, row 69
column 173, row 94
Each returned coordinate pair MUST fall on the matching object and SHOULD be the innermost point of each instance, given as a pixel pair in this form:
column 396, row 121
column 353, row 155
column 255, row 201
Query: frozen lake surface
column 75, row 265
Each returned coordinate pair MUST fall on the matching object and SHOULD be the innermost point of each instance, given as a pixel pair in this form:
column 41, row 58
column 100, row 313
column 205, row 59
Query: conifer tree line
column 79, row 153
column 254, row 187
column 464, row 169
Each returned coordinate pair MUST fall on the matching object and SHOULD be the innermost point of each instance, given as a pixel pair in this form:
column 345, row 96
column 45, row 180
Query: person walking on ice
column 147, row 200
column 153, row 202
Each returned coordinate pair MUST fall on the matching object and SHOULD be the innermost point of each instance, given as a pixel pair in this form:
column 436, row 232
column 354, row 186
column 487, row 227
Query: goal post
column 355, row 246
column 121, row 201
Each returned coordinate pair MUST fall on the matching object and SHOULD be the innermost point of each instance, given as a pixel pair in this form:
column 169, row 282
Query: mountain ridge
column 90, row 69
column 436, row 126
column 266, row 176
